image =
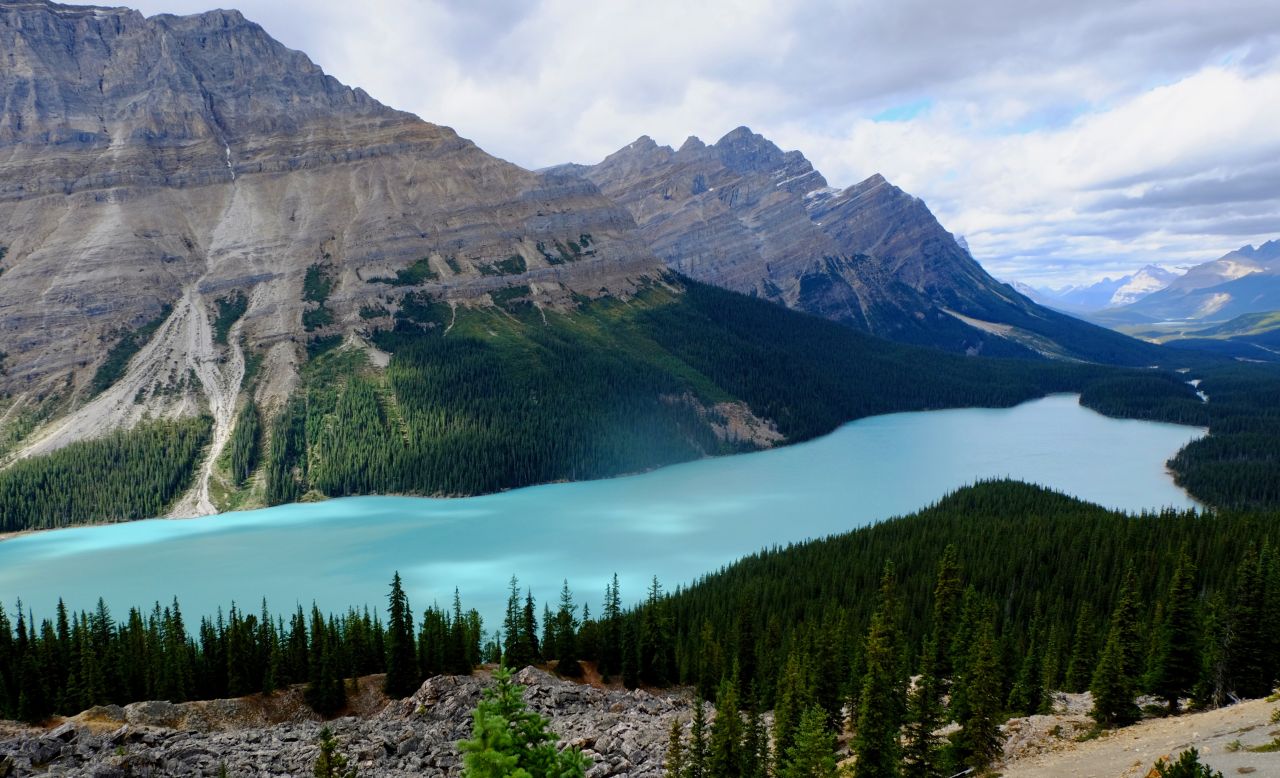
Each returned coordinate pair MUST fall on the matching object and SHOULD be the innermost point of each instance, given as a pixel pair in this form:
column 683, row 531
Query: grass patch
column 512, row 265
column 509, row 299
column 415, row 274
column 322, row 345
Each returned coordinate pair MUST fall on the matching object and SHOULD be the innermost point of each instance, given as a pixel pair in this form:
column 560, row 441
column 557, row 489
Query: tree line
column 991, row 600
column 125, row 475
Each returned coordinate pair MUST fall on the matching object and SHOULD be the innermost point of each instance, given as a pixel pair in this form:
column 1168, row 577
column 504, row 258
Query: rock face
column 624, row 733
column 167, row 161
column 744, row 214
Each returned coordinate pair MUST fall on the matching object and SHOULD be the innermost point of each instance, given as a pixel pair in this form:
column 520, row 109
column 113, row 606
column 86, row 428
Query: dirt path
column 1131, row 752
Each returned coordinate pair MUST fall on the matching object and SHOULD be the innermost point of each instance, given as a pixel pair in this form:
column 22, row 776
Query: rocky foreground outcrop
column 623, row 732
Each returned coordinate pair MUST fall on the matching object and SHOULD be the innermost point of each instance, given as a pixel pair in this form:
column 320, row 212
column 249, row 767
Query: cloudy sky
column 1065, row 140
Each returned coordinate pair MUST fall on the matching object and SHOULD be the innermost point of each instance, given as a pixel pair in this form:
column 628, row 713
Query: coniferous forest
column 122, row 476
column 991, row 599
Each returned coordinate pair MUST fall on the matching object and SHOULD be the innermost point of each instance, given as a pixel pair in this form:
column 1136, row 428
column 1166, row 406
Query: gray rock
column 621, row 732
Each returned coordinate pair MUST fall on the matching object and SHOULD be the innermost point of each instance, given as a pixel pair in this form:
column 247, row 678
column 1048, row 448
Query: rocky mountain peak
column 692, row 143
column 150, row 167
column 744, row 151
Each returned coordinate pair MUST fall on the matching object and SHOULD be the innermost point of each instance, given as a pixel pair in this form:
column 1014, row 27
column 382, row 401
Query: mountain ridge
column 743, row 214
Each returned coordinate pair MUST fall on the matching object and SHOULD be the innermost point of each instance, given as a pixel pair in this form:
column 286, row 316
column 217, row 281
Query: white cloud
column 1042, row 130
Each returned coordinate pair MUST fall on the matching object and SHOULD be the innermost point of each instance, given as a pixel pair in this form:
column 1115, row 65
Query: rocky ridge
column 623, row 733
column 743, row 214
column 151, row 166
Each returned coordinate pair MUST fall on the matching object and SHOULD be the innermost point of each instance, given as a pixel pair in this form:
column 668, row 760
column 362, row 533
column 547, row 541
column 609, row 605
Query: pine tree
column 922, row 747
column 880, row 713
column 507, row 739
column 402, row 677
column 1112, row 689
column 724, row 749
column 330, row 763
column 813, row 754
column 674, row 765
column 1175, row 669
column 696, row 759
column 566, row 632
column 1083, row 658
column 979, row 741
column 1246, row 674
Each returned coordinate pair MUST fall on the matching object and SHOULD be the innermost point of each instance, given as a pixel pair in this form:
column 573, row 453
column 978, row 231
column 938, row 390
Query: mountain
column 1243, row 281
column 1107, row 293
column 182, row 197
column 1150, row 279
column 743, row 214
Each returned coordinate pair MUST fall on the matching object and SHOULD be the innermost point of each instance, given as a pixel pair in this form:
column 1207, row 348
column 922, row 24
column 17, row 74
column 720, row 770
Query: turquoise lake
column 677, row 522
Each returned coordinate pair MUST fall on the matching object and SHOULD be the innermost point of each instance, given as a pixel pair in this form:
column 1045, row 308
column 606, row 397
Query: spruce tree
column 1028, row 693
column 979, row 742
column 922, row 747
column 566, row 632
column 1176, row 666
column 674, row 764
column 724, row 749
column 876, row 735
column 813, row 754
column 1188, row 765
column 1083, row 659
column 1112, row 688
column 507, row 739
column 696, row 759
column 402, row 677
column 947, row 594
column 529, row 629
column 1127, row 621
column 795, row 695
column 1246, row 674
column 330, row 763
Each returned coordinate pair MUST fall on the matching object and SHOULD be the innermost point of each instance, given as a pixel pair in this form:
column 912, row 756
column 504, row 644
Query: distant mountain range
column 1241, row 282
column 1107, row 293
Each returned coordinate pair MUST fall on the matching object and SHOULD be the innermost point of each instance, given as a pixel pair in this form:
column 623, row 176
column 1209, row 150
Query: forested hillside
column 479, row 399
column 513, row 395
column 997, row 595
column 123, row 476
